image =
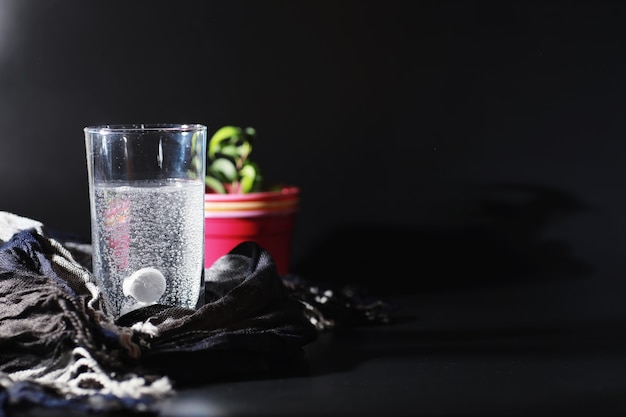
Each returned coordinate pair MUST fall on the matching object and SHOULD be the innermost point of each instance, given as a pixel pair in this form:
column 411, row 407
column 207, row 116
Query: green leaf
column 214, row 185
column 245, row 149
column 226, row 133
column 248, row 176
column 230, row 150
column 223, row 169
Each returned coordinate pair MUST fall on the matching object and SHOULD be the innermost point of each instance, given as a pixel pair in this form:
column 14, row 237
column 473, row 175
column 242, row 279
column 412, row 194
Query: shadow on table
column 500, row 242
column 342, row 351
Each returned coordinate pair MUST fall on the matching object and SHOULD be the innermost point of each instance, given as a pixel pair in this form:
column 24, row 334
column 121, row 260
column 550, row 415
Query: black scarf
column 58, row 348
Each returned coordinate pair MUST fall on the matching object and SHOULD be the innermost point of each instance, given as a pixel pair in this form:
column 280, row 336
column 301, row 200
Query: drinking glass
column 146, row 192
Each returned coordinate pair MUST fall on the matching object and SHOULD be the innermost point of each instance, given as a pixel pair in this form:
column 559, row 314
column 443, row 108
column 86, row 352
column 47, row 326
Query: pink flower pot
column 267, row 218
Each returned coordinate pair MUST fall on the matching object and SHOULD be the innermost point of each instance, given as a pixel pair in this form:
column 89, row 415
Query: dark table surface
column 538, row 349
column 542, row 348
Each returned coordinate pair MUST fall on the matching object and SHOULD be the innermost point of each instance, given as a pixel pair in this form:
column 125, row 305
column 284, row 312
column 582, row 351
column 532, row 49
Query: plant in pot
column 240, row 205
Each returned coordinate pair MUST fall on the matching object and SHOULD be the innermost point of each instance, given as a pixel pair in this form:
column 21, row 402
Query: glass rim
column 145, row 127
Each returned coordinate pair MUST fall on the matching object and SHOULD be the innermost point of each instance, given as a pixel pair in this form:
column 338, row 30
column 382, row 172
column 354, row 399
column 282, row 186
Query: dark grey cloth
column 58, row 348
column 249, row 323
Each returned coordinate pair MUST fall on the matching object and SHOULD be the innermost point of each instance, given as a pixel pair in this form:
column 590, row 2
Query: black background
column 437, row 144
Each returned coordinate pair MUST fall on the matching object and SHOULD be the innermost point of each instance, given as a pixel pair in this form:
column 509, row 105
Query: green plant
column 229, row 169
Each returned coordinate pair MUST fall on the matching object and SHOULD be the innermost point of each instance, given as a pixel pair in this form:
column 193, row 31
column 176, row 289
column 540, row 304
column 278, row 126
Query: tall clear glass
column 146, row 190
